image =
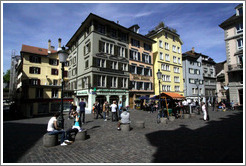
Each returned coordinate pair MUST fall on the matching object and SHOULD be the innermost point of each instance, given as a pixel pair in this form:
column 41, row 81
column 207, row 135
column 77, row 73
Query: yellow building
column 39, row 81
column 168, row 59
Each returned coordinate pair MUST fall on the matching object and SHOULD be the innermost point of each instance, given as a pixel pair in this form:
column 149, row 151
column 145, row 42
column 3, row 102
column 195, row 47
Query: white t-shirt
column 113, row 107
column 204, row 108
column 50, row 126
column 125, row 117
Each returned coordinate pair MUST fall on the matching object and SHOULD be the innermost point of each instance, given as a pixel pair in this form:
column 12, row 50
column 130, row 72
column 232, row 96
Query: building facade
column 209, row 77
column 233, row 34
column 141, row 67
column 168, row 59
column 39, row 81
column 98, row 62
column 222, row 81
column 194, row 88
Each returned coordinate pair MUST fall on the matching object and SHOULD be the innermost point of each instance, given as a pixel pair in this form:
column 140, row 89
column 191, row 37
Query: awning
column 144, row 98
column 172, row 95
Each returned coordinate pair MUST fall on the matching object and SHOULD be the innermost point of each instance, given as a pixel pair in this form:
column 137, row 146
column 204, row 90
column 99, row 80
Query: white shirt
column 204, row 108
column 113, row 107
column 125, row 117
column 50, row 126
column 185, row 103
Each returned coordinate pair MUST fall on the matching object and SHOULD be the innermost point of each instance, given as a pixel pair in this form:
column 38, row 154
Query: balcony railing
column 235, row 67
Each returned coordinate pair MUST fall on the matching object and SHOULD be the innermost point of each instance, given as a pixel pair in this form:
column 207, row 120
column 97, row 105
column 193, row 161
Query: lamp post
column 63, row 58
column 159, row 78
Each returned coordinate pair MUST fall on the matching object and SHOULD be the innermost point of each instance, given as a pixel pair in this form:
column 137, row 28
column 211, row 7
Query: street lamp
column 159, row 78
column 63, row 55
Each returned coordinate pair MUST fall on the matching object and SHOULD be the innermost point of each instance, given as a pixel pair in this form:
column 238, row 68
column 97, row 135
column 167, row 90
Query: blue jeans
column 104, row 115
column 57, row 132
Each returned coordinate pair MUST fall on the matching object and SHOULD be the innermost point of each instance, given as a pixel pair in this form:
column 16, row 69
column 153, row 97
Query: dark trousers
column 82, row 113
column 99, row 113
column 69, row 131
column 114, row 116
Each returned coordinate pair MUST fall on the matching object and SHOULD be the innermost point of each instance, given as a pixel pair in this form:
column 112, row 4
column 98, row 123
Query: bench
column 186, row 116
column 139, row 124
column 50, row 140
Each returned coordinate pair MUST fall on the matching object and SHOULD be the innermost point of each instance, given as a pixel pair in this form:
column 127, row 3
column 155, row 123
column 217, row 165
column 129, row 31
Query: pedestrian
column 70, row 110
column 75, row 128
column 120, row 109
column 125, row 118
column 105, row 111
column 114, row 111
column 204, row 110
column 185, row 106
column 98, row 110
column 82, row 106
column 53, row 129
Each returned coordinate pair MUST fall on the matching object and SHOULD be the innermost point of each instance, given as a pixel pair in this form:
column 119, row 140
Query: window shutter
column 109, row 81
column 116, row 50
column 120, row 83
column 38, row 81
column 120, row 66
column 38, row 70
column 150, row 59
column 131, row 54
column 145, row 86
column 145, row 72
column 139, row 70
column 138, row 56
column 150, row 72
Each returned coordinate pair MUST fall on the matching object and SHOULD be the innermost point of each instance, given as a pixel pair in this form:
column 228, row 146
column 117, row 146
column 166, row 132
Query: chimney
column 59, row 43
column 49, row 46
column 193, row 50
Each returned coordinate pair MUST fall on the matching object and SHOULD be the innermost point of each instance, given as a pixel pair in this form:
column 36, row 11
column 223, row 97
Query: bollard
column 50, row 140
column 81, row 135
column 140, row 124
column 125, row 127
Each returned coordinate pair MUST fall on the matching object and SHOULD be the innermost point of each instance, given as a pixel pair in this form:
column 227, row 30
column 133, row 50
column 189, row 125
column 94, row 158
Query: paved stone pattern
column 181, row 141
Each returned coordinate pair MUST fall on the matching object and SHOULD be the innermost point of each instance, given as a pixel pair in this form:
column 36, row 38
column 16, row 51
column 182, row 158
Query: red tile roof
column 36, row 50
column 172, row 95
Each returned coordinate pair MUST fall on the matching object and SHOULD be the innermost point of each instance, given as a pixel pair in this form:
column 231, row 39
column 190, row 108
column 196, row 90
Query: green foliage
column 6, row 77
column 160, row 25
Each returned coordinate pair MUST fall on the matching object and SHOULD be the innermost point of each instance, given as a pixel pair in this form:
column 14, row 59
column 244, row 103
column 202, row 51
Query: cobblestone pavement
column 193, row 140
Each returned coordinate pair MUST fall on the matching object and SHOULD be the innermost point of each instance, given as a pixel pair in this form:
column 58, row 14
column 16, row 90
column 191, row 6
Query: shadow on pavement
column 19, row 138
column 217, row 142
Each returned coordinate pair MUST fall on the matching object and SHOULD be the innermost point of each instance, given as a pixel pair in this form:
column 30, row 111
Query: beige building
column 222, row 81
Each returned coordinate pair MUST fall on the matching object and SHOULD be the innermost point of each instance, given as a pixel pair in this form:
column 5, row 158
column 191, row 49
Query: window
column 140, row 70
column 34, row 81
column 74, row 60
column 179, row 61
column 101, row 28
column 146, row 58
column 124, row 67
column 240, row 44
column 54, row 71
column 191, row 71
column 166, row 46
column 55, row 82
column 199, row 64
column 134, row 55
column 74, row 72
column 176, row 69
column 134, row 69
column 166, row 78
column 114, row 82
column 174, row 59
column 147, row 47
column 167, row 57
column 114, row 65
column 65, row 73
column 101, row 63
column 176, row 79
column 197, row 71
column 179, row 51
column 35, row 59
column 34, row 70
column 205, row 70
column 134, row 85
column 192, row 81
column 174, row 49
column 54, row 62
column 165, row 67
column 161, row 56
column 54, row 93
column 125, row 83
column 239, row 28
column 160, row 44
column 101, row 81
column 121, row 51
column 87, row 48
column 113, row 33
column 239, row 11
column 166, row 88
column 135, row 43
column 176, row 88
column 147, row 72
column 39, row 93
column 87, row 64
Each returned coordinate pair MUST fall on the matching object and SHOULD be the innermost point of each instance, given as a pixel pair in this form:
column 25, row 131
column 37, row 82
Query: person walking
column 105, row 111
column 98, row 110
column 114, row 111
column 82, row 106
column 204, row 111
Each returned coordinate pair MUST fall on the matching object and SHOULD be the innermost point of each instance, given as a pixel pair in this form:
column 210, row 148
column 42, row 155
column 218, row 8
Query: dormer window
column 239, row 11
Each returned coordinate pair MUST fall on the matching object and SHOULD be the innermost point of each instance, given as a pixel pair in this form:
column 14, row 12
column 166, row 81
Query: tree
column 6, row 77
column 160, row 25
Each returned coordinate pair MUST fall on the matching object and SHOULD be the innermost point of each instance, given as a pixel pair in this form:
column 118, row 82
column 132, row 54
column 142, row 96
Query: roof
column 172, row 95
column 36, row 50
column 230, row 21
column 191, row 54
column 219, row 67
column 91, row 15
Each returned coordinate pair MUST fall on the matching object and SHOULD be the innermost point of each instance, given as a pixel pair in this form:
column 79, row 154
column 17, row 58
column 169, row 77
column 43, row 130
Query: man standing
column 114, row 111
column 82, row 106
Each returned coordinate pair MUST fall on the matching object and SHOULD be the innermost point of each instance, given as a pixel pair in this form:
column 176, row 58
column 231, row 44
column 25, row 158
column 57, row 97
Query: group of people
column 118, row 113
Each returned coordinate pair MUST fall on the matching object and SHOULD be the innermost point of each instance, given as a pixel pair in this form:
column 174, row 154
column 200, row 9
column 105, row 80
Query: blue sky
column 35, row 23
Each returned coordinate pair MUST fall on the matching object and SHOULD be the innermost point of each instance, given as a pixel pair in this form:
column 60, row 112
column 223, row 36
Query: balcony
column 235, row 67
